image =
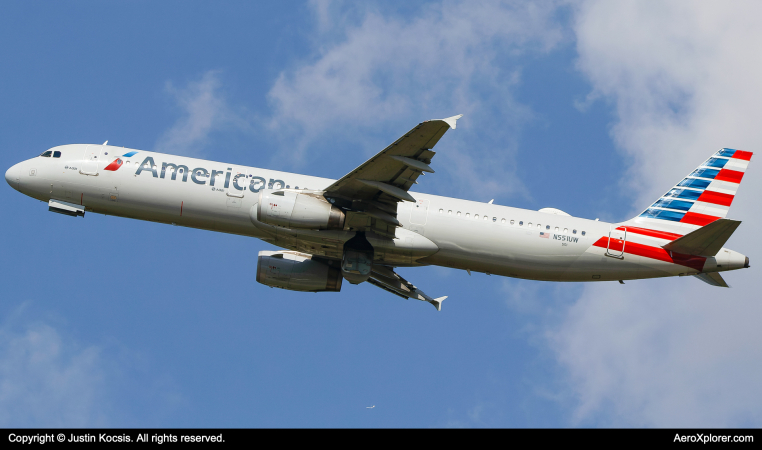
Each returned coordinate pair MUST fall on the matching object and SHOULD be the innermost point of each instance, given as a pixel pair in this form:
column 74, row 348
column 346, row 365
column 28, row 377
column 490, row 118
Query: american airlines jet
column 361, row 227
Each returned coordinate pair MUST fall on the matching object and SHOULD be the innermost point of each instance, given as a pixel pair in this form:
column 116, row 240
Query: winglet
column 437, row 302
column 452, row 120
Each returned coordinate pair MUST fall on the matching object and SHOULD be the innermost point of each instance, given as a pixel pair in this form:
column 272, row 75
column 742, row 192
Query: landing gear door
column 617, row 242
column 90, row 160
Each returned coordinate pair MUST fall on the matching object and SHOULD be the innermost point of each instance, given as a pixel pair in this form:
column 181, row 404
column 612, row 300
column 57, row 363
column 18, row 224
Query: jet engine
column 297, row 272
column 294, row 209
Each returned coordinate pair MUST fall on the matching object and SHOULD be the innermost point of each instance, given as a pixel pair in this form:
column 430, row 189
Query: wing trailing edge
column 385, row 278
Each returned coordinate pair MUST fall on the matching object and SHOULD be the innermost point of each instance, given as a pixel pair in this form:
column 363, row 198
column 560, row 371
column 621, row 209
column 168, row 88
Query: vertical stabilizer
column 702, row 197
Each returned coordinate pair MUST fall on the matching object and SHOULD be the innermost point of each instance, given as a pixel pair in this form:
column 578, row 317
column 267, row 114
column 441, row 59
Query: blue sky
column 592, row 107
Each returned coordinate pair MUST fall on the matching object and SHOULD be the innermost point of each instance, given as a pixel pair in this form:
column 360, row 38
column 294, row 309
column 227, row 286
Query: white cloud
column 663, row 354
column 684, row 78
column 204, row 111
column 50, row 379
column 47, row 381
column 372, row 71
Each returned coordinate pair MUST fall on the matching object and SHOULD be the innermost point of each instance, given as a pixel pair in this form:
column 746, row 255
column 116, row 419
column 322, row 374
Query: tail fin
column 700, row 198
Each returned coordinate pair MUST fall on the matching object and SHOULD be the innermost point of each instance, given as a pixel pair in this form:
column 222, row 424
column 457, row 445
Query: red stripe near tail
column 653, row 233
column 658, row 253
column 717, row 198
column 732, row 176
column 741, row 154
column 698, row 219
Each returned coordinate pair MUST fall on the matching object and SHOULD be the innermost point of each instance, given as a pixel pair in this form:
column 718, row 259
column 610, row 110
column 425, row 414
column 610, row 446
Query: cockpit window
column 47, row 154
column 56, row 154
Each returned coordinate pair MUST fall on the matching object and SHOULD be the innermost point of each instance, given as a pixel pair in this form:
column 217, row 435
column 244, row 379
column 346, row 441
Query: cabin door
column 91, row 160
column 617, row 242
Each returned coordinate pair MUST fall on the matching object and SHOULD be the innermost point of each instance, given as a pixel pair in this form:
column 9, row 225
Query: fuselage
column 435, row 230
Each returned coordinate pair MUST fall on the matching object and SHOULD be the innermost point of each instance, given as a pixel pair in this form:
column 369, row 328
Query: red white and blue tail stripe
column 702, row 197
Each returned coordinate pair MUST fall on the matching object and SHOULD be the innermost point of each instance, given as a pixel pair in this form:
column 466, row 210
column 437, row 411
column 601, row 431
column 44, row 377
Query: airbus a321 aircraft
column 363, row 226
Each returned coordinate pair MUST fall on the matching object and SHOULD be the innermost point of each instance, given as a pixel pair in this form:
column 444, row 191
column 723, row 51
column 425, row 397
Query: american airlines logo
column 114, row 165
column 200, row 175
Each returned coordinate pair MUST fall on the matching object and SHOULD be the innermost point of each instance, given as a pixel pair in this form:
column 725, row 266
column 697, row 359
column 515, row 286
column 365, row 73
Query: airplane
column 364, row 226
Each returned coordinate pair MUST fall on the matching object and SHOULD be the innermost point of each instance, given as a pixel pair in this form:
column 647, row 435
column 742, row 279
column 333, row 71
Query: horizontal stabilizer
column 707, row 240
column 713, row 278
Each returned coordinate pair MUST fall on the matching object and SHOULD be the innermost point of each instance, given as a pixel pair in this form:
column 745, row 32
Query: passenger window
column 458, row 213
column 468, row 215
column 556, row 229
column 441, row 210
column 566, row 230
column 476, row 216
column 502, row 221
column 449, row 211
column 529, row 224
column 547, row 227
column 56, row 154
column 512, row 221
column 583, row 233
column 521, row 223
column 486, row 218
column 574, row 231
column 539, row 226
column 494, row 219
column 47, row 154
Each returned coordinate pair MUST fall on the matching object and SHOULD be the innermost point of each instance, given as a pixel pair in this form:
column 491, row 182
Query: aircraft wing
column 370, row 193
column 385, row 278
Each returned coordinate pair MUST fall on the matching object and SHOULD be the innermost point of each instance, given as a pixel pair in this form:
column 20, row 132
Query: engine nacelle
column 293, row 209
column 297, row 272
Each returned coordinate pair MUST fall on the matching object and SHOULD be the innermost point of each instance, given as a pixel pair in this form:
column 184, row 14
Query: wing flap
column 385, row 278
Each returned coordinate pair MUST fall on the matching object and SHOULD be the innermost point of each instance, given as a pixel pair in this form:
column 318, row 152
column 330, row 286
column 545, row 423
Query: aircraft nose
column 12, row 176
